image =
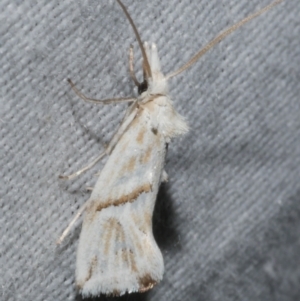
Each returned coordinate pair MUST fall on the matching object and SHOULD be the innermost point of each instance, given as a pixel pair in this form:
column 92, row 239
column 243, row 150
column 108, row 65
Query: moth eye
column 142, row 87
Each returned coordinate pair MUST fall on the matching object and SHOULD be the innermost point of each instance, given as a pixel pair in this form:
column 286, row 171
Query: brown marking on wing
column 132, row 261
column 120, row 238
column 143, row 223
column 140, row 136
column 108, row 229
column 93, row 265
column 146, row 227
column 146, row 156
column 148, row 218
column 119, row 234
column 124, row 146
column 124, row 256
column 136, row 239
column 127, row 198
column 150, row 105
column 146, row 282
column 129, row 166
column 138, row 222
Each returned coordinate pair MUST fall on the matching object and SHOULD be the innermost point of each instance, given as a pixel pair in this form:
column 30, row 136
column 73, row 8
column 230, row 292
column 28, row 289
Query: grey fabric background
column 228, row 220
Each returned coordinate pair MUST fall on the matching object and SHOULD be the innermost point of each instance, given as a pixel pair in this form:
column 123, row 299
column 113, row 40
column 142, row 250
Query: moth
column 117, row 252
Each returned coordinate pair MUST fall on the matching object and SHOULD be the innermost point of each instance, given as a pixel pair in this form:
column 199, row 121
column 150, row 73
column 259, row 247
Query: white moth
column 117, row 253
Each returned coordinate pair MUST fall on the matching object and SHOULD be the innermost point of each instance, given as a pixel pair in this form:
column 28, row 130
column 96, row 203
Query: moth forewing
column 117, row 252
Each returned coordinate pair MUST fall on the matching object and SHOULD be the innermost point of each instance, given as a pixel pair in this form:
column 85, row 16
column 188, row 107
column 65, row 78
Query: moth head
column 156, row 83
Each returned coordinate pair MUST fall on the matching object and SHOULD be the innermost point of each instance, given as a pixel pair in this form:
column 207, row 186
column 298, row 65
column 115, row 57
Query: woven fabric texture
column 228, row 220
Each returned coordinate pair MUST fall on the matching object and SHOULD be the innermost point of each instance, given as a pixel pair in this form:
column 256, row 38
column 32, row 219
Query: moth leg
column 98, row 101
column 79, row 172
column 131, row 68
column 126, row 122
column 67, row 230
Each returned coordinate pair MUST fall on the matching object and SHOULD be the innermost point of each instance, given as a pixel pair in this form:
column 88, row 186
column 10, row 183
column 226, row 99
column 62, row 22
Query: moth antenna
column 220, row 37
column 131, row 67
column 146, row 65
